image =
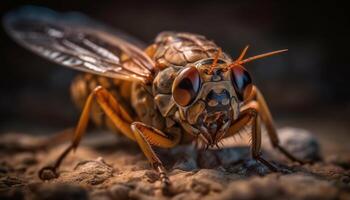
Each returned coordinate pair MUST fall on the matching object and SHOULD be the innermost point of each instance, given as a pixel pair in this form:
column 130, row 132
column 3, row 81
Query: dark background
column 308, row 86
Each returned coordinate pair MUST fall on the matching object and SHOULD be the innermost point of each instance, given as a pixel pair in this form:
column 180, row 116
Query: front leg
column 265, row 114
column 249, row 114
column 146, row 136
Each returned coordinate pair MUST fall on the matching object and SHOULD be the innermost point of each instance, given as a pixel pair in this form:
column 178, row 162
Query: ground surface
column 105, row 167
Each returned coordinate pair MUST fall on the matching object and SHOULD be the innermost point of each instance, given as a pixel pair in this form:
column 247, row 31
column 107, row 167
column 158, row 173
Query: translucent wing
column 76, row 41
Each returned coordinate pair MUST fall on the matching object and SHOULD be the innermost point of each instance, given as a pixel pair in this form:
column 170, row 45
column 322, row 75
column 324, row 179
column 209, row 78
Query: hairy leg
column 265, row 114
column 146, row 136
column 118, row 115
column 249, row 114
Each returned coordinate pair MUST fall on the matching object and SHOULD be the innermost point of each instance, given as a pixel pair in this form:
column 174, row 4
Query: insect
column 180, row 89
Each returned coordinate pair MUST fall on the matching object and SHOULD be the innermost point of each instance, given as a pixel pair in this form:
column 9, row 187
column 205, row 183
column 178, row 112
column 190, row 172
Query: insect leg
column 118, row 115
column 267, row 119
column 250, row 114
column 146, row 136
column 238, row 124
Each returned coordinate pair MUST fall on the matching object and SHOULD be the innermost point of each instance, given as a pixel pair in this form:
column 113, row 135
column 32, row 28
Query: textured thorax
column 180, row 49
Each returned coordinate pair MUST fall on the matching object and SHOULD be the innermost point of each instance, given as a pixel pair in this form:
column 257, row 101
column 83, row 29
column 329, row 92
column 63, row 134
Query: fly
column 180, row 89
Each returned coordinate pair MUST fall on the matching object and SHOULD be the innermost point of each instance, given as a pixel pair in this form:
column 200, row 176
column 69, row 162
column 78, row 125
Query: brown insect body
column 179, row 89
column 153, row 104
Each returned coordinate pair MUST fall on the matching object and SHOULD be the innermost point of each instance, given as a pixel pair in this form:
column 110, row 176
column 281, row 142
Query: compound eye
column 186, row 86
column 241, row 80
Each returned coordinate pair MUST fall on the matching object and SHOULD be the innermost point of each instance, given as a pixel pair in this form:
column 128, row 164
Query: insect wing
column 75, row 41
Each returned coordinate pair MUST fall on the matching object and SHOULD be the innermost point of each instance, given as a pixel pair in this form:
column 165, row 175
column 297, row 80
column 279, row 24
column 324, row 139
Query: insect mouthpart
column 213, row 126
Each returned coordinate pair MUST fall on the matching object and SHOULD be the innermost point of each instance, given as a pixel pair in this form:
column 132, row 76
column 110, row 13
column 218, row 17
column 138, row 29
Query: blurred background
column 306, row 87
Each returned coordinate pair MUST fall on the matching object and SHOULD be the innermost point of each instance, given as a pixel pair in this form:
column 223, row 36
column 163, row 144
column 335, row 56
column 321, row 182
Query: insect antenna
column 215, row 61
column 243, row 53
column 262, row 56
column 240, row 60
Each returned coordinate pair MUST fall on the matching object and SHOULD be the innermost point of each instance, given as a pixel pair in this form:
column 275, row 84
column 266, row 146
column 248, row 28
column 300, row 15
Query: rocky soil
column 107, row 167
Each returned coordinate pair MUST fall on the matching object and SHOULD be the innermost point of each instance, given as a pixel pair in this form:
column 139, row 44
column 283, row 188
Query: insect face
column 207, row 98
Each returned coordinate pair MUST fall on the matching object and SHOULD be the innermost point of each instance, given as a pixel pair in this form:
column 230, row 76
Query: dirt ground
column 108, row 167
